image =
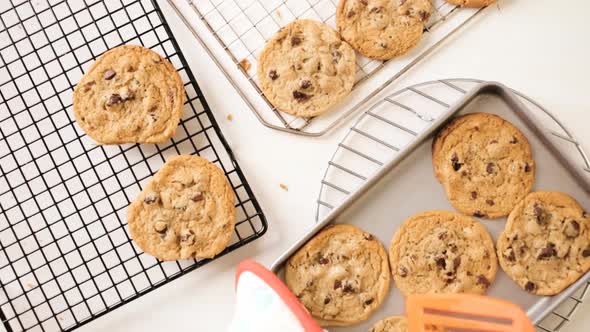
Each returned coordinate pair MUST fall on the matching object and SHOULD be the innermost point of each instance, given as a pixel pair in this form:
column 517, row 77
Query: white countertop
column 539, row 47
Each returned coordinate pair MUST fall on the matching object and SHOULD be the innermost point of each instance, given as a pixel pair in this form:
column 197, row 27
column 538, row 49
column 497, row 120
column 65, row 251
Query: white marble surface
column 540, row 47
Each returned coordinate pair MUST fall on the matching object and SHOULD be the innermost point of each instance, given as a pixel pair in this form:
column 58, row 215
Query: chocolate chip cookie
column 129, row 95
column 305, row 68
column 382, row 29
column 185, row 211
column 484, row 163
column 545, row 245
column 471, row 3
column 442, row 252
column 341, row 275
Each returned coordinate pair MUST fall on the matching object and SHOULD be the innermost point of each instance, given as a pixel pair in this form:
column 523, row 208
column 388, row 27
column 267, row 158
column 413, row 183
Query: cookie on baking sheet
column 484, row 163
column 471, row 3
column 185, row 211
column 305, row 68
column 341, row 275
column 382, row 29
column 545, row 245
column 129, row 95
column 442, row 252
column 391, row 324
column 396, row 324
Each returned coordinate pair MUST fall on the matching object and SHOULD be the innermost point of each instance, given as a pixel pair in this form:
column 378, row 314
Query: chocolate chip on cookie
column 455, row 162
column 109, row 74
column 301, row 96
column 273, row 75
column 306, row 84
column 114, row 99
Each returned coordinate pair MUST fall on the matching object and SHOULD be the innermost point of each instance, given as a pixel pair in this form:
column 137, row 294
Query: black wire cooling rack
column 65, row 254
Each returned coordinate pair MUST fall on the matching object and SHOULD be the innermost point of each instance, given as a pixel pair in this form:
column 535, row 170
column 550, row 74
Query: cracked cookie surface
column 442, row 252
column 129, row 95
column 545, row 245
column 305, row 68
column 185, row 211
column 341, row 275
column 484, row 163
column 382, row 29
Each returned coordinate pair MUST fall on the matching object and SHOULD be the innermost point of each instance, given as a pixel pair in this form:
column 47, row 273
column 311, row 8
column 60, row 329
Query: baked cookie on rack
column 305, row 68
column 545, row 245
column 382, row 29
column 484, row 163
column 129, row 95
column 471, row 3
column 442, row 252
column 185, row 211
column 341, row 275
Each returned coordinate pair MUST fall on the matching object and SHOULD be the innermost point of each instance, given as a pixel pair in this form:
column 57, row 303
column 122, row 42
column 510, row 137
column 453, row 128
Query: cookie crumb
column 284, row 187
column 278, row 12
column 245, row 64
column 29, row 285
column 229, row 117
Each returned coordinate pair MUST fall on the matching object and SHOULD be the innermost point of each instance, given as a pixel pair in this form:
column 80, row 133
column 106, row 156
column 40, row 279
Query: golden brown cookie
column 382, row 29
column 545, row 246
column 185, row 211
column 442, row 252
column 471, row 3
column 305, row 68
column 129, row 95
column 484, row 163
column 341, row 275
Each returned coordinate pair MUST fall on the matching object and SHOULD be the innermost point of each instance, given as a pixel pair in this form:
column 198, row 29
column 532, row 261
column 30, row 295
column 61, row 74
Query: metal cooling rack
column 403, row 115
column 235, row 31
column 65, row 254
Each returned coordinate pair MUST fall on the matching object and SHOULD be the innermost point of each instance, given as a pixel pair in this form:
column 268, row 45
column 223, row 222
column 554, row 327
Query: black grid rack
column 65, row 254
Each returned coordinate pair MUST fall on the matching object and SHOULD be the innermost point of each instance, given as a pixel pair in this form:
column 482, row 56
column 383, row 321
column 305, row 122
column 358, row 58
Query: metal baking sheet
column 406, row 185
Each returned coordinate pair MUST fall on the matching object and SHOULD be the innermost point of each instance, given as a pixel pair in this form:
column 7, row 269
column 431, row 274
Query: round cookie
column 306, row 68
column 471, row 3
column 442, row 252
column 185, row 211
column 545, row 245
column 129, row 95
column 484, row 163
column 382, row 29
column 341, row 275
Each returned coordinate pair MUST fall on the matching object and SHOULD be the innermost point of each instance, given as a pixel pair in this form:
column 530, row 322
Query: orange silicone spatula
column 465, row 312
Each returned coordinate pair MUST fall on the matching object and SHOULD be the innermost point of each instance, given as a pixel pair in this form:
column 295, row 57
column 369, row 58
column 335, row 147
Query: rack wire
column 66, row 257
column 403, row 115
column 241, row 27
